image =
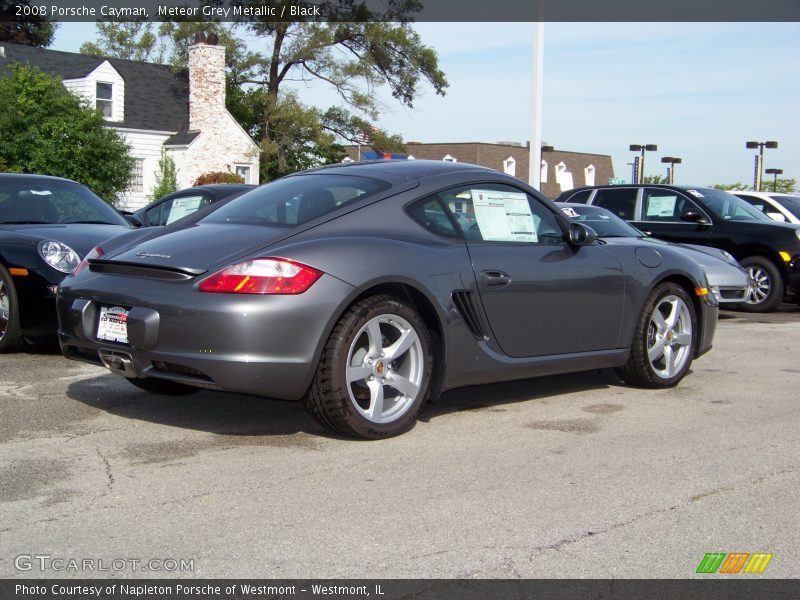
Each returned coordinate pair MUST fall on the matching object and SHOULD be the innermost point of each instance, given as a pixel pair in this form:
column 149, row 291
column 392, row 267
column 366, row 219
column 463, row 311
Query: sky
column 697, row 90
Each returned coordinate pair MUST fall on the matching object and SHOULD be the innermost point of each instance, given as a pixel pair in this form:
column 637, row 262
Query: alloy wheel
column 669, row 336
column 385, row 368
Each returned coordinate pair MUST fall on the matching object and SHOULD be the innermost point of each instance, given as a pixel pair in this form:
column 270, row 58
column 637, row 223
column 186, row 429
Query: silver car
column 358, row 290
column 727, row 279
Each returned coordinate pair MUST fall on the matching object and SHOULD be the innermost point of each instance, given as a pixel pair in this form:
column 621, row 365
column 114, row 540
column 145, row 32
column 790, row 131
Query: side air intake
column 468, row 308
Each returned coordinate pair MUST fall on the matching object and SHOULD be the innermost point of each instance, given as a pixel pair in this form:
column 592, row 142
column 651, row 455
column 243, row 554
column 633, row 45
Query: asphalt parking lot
column 569, row 476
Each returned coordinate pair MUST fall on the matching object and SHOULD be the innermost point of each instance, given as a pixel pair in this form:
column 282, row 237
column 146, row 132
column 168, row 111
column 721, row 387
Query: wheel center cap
column 380, row 368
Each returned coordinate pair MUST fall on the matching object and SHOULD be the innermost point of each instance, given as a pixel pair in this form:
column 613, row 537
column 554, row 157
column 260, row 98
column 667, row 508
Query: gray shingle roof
column 156, row 96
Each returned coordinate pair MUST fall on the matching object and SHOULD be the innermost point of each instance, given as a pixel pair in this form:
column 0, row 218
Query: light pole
column 759, row 160
column 775, row 172
column 671, row 161
column 640, row 159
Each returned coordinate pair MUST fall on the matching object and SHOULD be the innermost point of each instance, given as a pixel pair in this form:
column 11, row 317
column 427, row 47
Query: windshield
column 604, row 222
column 727, row 206
column 33, row 200
column 790, row 203
column 295, row 200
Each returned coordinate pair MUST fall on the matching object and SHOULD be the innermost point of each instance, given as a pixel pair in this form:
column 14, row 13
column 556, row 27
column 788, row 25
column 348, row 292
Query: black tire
column 349, row 408
column 165, row 387
column 644, row 366
column 10, row 330
column 768, row 290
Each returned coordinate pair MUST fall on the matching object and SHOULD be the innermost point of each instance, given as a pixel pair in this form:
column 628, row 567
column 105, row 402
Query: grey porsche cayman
column 366, row 290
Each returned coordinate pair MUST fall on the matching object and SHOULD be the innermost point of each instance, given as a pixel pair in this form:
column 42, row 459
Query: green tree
column 655, row 179
column 29, row 30
column 355, row 57
column 166, row 177
column 45, row 129
column 726, row 187
column 784, row 186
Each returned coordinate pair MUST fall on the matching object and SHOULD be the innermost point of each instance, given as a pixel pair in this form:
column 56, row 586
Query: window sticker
column 570, row 212
column 661, row 206
column 504, row 216
column 182, row 207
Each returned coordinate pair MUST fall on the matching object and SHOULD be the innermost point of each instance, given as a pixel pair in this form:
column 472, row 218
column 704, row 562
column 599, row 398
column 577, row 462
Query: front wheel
column 664, row 339
column 10, row 332
column 766, row 285
column 374, row 373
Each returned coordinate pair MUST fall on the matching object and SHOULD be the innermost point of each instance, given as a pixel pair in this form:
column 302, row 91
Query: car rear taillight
column 95, row 252
column 263, row 276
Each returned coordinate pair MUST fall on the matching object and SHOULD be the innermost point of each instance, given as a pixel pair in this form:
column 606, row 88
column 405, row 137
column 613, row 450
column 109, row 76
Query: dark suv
column 769, row 250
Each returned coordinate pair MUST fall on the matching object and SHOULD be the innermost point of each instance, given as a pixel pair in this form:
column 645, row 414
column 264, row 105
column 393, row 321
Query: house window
column 563, row 177
column 543, row 173
column 588, row 175
column 243, row 171
column 103, row 99
column 510, row 166
column 448, row 158
column 137, row 182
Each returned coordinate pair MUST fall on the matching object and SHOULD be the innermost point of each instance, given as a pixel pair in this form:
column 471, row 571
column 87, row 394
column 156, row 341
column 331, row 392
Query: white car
column 777, row 206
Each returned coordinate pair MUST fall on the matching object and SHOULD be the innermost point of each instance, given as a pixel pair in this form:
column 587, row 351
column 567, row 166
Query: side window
column 666, row 205
column 430, row 214
column 177, row 208
column 580, row 197
column 620, row 201
column 501, row 213
column 758, row 203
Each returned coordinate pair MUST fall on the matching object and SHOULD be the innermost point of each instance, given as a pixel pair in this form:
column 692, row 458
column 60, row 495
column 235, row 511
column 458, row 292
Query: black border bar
column 708, row 588
column 426, row 10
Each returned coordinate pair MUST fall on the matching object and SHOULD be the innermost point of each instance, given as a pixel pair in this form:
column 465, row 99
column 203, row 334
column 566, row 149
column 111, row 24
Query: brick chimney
column 206, row 82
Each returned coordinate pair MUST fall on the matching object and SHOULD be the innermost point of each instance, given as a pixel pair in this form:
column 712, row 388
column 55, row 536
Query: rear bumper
column 259, row 345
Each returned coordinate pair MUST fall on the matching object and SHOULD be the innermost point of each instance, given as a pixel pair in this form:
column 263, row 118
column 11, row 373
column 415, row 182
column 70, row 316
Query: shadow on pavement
column 248, row 416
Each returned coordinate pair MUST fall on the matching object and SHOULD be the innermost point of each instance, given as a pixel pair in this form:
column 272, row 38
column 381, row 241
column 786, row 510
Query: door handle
column 493, row 279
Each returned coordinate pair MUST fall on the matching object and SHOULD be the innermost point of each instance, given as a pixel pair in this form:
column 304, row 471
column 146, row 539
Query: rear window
column 620, row 201
column 790, row 203
column 297, row 200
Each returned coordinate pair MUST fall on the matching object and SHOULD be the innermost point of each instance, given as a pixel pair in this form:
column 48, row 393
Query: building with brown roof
column 561, row 170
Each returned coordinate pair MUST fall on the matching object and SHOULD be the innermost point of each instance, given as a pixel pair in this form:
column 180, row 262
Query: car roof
column 23, row 176
column 403, row 169
column 764, row 194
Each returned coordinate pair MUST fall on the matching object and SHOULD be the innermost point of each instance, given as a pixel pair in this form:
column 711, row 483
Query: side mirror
column 581, row 235
column 133, row 220
column 694, row 216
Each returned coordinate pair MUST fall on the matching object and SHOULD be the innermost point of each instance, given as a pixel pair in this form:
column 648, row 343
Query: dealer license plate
column 113, row 324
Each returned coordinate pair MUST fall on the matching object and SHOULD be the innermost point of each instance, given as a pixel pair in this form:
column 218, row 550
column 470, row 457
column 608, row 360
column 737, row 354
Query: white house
column 155, row 107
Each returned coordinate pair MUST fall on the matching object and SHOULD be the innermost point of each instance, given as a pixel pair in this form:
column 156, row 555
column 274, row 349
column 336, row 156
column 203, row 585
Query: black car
column 177, row 205
column 47, row 225
column 769, row 250
column 368, row 289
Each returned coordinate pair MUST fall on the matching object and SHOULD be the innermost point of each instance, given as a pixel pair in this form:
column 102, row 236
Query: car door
column 542, row 296
column 662, row 213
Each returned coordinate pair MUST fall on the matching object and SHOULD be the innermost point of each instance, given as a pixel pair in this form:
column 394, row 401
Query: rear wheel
column 10, row 332
column 375, row 371
column 766, row 285
column 165, row 387
column 664, row 339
